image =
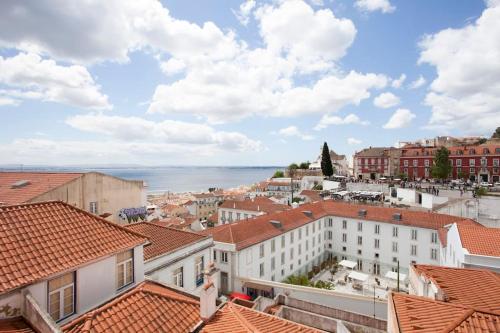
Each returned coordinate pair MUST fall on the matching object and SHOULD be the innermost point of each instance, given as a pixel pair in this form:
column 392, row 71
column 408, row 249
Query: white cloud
column 172, row 66
column 7, row 101
column 94, row 30
column 386, row 100
column 43, row 79
column 293, row 131
column 397, row 83
column 401, row 118
column 317, row 2
column 353, row 141
column 167, row 131
column 465, row 94
column 373, row 5
column 418, row 83
column 244, row 12
column 328, row 120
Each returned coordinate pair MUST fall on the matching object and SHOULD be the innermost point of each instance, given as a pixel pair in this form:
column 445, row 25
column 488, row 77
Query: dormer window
column 472, row 152
column 486, row 151
column 124, row 268
column 62, row 296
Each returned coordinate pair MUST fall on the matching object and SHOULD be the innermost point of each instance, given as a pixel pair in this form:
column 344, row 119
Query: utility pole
column 398, row 276
column 374, row 302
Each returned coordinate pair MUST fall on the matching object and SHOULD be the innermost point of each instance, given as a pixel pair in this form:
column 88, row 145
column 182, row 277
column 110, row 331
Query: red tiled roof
column 163, row 239
column 42, row 239
column 312, row 194
column 239, row 319
column 423, row 315
column 15, row 325
column 149, row 307
column 39, row 183
column 259, row 204
column 475, row 288
column 247, row 234
column 480, row 240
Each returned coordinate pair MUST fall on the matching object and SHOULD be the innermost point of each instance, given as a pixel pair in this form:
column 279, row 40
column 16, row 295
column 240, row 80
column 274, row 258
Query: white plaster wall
column 10, row 305
column 453, row 255
column 407, row 195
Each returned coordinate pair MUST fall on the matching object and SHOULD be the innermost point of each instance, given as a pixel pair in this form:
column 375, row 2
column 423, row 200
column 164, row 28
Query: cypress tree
column 326, row 162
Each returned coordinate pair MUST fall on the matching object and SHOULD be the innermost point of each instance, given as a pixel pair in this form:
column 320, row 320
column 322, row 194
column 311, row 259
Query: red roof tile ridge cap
column 395, row 309
column 185, row 299
column 166, row 227
column 239, row 317
column 433, row 301
column 455, row 323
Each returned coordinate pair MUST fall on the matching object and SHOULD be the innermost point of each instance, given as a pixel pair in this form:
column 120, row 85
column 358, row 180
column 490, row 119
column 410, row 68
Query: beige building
column 95, row 192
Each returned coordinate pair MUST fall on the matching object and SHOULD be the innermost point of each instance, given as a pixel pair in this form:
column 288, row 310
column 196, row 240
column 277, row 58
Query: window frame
column 124, row 264
column 60, row 291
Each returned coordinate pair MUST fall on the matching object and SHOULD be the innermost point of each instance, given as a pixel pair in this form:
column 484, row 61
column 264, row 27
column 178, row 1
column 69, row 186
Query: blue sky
column 240, row 83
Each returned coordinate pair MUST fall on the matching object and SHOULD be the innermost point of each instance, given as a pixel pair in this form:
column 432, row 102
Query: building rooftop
column 475, row 288
column 162, row 239
column 259, row 204
column 480, row 240
column 243, row 234
column 21, row 187
column 423, row 315
column 149, row 307
column 41, row 239
column 311, row 194
column 372, row 152
column 239, row 319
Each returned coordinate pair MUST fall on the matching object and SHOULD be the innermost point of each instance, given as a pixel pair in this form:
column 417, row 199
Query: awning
column 348, row 264
column 394, row 276
column 358, row 276
column 259, row 286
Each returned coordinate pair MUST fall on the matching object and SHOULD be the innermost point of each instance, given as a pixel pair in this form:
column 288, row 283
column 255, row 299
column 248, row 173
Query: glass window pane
column 130, row 272
column 54, row 305
column 68, row 301
column 120, row 272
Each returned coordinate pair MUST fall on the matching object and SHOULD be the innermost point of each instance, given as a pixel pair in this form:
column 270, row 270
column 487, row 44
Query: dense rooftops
column 245, row 234
column 475, row 288
column 163, row 239
column 41, row 239
column 21, row 187
column 259, row 204
column 423, row 315
column 480, row 240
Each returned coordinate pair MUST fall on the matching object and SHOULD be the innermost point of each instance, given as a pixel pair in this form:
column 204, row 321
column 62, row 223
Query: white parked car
column 485, row 184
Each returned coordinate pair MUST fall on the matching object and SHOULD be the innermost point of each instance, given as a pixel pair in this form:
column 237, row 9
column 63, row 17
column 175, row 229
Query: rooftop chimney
column 208, row 293
column 397, row 216
column 362, row 213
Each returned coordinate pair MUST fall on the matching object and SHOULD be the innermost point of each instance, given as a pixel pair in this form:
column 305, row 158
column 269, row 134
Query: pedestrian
column 437, row 192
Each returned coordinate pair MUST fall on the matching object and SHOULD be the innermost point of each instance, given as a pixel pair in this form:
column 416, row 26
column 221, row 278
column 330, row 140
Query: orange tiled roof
column 42, row 239
column 149, row 307
column 244, row 234
column 15, row 325
column 239, row 319
column 423, row 315
column 39, row 183
column 163, row 239
column 480, row 240
column 312, row 194
column 259, row 204
column 475, row 288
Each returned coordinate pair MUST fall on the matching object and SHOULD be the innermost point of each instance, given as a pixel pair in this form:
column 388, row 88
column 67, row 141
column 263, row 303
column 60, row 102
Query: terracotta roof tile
column 15, row 325
column 163, row 239
column 480, row 240
column 245, row 234
column 312, row 194
column 38, row 183
column 41, row 239
column 149, row 307
column 475, row 288
column 259, row 204
column 423, row 315
column 239, row 319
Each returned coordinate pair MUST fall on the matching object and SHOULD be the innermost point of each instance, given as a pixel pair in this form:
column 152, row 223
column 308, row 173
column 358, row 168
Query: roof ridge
column 458, row 321
column 242, row 320
column 169, row 228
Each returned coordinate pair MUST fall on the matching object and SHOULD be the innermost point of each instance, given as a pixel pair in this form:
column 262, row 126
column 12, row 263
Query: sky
column 252, row 83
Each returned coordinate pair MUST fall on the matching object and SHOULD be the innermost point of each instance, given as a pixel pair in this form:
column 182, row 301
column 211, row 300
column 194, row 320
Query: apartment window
column 230, row 217
column 291, row 237
column 291, row 267
column 360, row 265
column 394, row 259
column 291, row 254
column 124, row 268
column 405, row 163
column 483, row 162
column 434, row 254
column 307, row 245
column 307, row 230
column 344, row 238
column 344, row 224
column 178, row 276
column 415, row 162
column 62, row 296
column 360, row 240
column 376, row 256
column 426, row 163
column 472, row 162
column 300, row 233
column 496, row 162
column 458, row 162
column 394, row 247
column 319, row 225
column 377, row 243
column 413, row 250
column 377, row 229
column 330, row 235
column 261, row 251
column 282, row 258
column 238, row 216
column 273, row 245
column 300, row 249
column 273, row 263
column 314, row 241
column 359, row 252
column 413, row 234
column 283, row 241
column 223, row 257
column 360, row 226
column 93, row 207
column 215, row 256
column 344, row 249
column 471, row 170
column 199, row 266
column 319, row 238
column 434, row 238
column 330, row 222
column 282, row 272
column 261, row 270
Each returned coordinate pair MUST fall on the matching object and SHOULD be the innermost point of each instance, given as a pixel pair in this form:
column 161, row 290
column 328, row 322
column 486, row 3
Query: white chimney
column 208, row 294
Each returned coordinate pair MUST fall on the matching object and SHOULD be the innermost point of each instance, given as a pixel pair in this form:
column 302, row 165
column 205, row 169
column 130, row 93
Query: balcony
column 199, row 280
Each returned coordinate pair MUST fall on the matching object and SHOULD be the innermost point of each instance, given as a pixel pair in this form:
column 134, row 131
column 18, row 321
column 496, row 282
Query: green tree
column 293, row 166
column 326, row 162
column 304, row 165
column 279, row 174
column 461, row 175
column 496, row 134
column 300, row 280
column 442, row 167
